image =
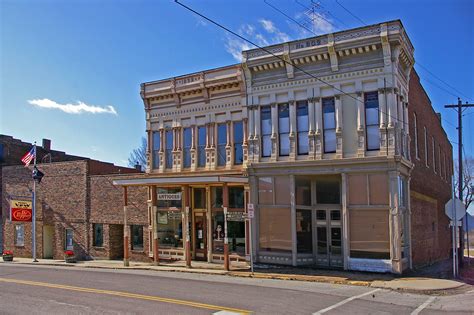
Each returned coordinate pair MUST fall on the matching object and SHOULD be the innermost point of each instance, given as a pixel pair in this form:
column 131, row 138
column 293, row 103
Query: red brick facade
column 430, row 179
column 73, row 195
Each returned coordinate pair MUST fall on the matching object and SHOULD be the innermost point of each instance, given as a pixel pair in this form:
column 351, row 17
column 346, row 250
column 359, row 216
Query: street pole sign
column 455, row 209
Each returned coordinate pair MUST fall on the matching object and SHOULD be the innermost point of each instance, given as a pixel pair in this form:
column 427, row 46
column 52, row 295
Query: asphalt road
column 62, row 290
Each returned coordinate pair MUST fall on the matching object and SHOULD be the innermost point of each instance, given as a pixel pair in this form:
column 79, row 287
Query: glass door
column 199, row 240
column 328, row 238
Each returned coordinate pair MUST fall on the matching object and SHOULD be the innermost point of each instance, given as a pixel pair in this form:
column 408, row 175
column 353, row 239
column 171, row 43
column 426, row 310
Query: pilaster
column 394, row 224
column 361, row 147
column 274, row 137
column 311, row 129
column 161, row 153
column 319, row 126
column 292, row 136
column 229, row 153
column 193, row 150
column 339, row 123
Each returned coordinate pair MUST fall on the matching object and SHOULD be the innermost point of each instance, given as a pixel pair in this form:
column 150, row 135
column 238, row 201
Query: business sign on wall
column 21, row 210
column 176, row 196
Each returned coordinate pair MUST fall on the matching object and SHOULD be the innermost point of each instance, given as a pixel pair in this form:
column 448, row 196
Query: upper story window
column 266, row 130
column 201, row 146
column 433, row 153
column 371, row 101
column 187, row 144
column 1, row 152
column 426, row 146
column 169, row 148
column 302, row 125
column 284, row 129
column 156, row 149
column 415, row 126
column 238, row 134
column 329, row 125
column 221, row 144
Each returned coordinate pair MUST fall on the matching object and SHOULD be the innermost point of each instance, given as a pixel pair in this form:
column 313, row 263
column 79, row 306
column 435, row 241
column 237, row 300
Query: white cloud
column 270, row 27
column 78, row 108
column 235, row 46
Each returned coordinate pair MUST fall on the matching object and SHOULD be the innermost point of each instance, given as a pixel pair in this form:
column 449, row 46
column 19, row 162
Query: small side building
column 76, row 209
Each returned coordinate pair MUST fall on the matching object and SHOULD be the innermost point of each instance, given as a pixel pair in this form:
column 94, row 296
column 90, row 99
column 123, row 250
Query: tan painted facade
column 314, row 133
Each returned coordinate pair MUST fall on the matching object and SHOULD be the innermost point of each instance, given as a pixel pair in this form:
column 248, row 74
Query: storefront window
column 303, row 191
column 369, row 234
column 304, row 232
column 275, row 229
column 199, row 198
column 265, row 190
column 169, row 197
column 235, row 232
column 218, row 232
column 19, row 235
column 98, row 239
column 282, row 190
column 216, row 195
column 137, row 237
column 328, row 191
column 68, row 244
column 236, row 197
column 170, row 228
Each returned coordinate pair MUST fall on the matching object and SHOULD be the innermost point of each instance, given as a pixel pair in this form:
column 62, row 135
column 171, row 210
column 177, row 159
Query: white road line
column 422, row 306
column 225, row 313
column 327, row 309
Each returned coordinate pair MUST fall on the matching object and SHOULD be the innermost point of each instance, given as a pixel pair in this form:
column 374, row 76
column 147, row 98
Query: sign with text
column 21, row 210
column 250, row 211
column 176, row 196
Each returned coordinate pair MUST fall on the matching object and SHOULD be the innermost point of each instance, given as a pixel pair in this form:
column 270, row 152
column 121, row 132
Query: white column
column 293, row 127
column 251, row 126
column 360, row 111
column 293, row 220
column 382, row 109
column 391, row 106
column 319, row 128
column 345, row 221
column 256, row 135
column 338, row 107
column 275, row 147
column 311, row 117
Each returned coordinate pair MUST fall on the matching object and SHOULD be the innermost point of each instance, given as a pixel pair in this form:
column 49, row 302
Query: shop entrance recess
column 199, row 224
column 328, row 238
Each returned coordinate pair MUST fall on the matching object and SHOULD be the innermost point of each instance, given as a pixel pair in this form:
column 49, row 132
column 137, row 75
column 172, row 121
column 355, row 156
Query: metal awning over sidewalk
column 180, row 180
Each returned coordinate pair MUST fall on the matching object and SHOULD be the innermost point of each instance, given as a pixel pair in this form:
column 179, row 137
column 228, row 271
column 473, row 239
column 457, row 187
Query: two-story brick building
column 316, row 135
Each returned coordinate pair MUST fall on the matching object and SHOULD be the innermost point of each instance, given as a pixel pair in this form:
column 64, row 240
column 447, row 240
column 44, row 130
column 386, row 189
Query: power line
column 355, row 16
column 444, row 82
column 419, row 64
column 283, row 60
column 276, row 9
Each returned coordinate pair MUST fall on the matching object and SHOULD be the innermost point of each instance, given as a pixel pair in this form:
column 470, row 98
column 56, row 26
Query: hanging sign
column 21, row 210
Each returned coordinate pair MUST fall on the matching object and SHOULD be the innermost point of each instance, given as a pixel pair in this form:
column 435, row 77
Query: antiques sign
column 21, row 210
column 176, row 196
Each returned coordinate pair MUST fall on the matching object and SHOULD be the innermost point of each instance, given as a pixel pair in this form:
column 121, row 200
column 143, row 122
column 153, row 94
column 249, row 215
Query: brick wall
column 430, row 190
column 69, row 197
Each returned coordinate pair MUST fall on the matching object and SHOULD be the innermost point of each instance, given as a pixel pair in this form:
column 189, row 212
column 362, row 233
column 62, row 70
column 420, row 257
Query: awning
column 180, row 180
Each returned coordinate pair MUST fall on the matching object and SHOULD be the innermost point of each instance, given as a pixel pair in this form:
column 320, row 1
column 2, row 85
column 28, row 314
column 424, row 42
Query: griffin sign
column 21, row 210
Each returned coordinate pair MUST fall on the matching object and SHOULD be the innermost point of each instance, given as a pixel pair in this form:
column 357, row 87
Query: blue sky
column 55, row 53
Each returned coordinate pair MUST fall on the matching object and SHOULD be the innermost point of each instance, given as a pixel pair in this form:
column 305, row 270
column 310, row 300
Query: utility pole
column 459, row 107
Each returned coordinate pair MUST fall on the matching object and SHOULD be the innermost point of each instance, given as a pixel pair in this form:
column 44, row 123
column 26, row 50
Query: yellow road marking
column 126, row 294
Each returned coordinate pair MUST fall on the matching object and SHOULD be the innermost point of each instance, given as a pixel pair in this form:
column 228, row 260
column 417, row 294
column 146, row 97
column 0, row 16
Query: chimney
column 138, row 167
column 46, row 145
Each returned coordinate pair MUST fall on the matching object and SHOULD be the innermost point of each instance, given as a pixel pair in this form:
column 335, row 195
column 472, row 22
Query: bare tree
column 138, row 155
column 467, row 181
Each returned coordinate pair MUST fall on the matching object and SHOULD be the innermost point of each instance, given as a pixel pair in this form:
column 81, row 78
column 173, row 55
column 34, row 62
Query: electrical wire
column 405, row 124
column 351, row 13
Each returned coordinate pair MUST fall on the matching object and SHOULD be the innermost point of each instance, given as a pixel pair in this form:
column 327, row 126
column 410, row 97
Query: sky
column 70, row 71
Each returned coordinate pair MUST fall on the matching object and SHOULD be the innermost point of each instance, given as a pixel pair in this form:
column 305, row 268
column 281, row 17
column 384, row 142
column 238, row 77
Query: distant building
column 77, row 206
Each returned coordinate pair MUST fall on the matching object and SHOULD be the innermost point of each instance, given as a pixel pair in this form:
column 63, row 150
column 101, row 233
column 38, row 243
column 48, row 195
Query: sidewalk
column 387, row 281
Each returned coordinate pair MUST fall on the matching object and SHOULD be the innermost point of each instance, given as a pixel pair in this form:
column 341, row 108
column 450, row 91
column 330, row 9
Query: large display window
column 275, row 229
column 170, row 228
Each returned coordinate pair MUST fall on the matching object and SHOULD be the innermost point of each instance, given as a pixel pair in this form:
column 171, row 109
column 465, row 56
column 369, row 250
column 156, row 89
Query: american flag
column 28, row 157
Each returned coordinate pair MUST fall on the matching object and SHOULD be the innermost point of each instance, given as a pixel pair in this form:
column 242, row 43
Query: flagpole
column 34, row 209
